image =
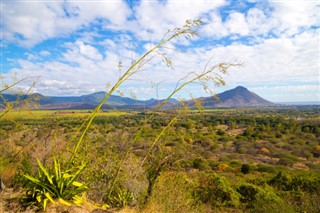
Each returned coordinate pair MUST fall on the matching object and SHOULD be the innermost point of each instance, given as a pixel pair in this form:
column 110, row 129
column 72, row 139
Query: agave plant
column 53, row 185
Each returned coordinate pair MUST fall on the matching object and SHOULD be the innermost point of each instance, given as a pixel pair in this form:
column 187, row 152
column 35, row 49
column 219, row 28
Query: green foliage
column 259, row 199
column 184, row 150
column 216, row 191
column 266, row 168
column 302, row 201
column 54, row 184
column 200, row 163
column 173, row 193
column 246, row 169
column 282, row 181
column 308, row 182
column 119, row 198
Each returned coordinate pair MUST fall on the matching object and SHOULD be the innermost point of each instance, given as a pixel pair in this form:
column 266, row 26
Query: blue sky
column 74, row 47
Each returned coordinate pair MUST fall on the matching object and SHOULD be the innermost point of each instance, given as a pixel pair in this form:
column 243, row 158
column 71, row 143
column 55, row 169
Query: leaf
column 77, row 200
column 47, row 194
column 66, row 176
column 32, row 179
column 38, row 182
column 61, row 186
column 64, row 202
column 45, row 201
column 45, row 171
column 76, row 183
column 57, row 168
column 77, row 174
column 39, row 198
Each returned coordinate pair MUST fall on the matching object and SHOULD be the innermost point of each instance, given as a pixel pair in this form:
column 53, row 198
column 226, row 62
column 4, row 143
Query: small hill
column 237, row 97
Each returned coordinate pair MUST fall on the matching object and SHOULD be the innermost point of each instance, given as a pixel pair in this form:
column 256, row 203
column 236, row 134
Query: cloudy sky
column 74, row 47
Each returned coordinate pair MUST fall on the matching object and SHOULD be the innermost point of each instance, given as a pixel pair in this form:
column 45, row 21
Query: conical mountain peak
column 237, row 97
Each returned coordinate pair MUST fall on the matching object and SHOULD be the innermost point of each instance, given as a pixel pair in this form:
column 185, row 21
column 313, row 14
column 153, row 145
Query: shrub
column 172, row 193
column 200, row 163
column 246, row 169
column 281, row 181
column 216, row 191
column 261, row 199
column 307, row 182
column 222, row 167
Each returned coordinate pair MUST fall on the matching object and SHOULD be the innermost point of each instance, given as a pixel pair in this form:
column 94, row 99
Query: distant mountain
column 114, row 100
column 237, row 97
column 84, row 102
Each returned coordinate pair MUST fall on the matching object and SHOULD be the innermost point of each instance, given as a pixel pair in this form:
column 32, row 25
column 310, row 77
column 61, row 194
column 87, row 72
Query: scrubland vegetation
column 217, row 160
column 179, row 160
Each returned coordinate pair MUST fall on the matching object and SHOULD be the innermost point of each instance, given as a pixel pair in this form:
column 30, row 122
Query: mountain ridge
column 237, row 97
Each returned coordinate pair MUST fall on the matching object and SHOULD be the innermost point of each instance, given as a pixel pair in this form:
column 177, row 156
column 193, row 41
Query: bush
column 246, row 169
column 261, row 199
column 200, row 164
column 309, row 182
column 172, row 193
column 281, row 181
column 216, row 191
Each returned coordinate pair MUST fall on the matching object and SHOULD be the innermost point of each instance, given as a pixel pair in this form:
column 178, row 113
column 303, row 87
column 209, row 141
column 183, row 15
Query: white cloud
column 258, row 22
column 283, row 59
column 30, row 23
column 281, row 18
column 292, row 16
column 237, row 24
column 89, row 51
column 31, row 57
column 154, row 18
column 44, row 53
column 214, row 26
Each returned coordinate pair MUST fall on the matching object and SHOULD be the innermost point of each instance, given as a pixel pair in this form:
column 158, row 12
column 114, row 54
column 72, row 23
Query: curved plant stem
column 188, row 30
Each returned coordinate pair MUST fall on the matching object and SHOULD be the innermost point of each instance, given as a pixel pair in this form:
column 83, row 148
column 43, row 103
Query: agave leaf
column 47, row 194
column 77, row 200
column 57, row 168
column 39, row 183
column 105, row 206
column 66, row 175
column 45, row 171
column 64, row 202
column 45, row 202
column 76, row 183
column 39, row 198
column 32, row 179
column 81, row 168
column 62, row 184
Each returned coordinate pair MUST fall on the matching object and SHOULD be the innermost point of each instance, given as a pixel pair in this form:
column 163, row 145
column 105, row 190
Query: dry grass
column 41, row 114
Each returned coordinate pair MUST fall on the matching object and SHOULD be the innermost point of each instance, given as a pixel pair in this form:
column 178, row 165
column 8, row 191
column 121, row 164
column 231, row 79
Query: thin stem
column 158, row 137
